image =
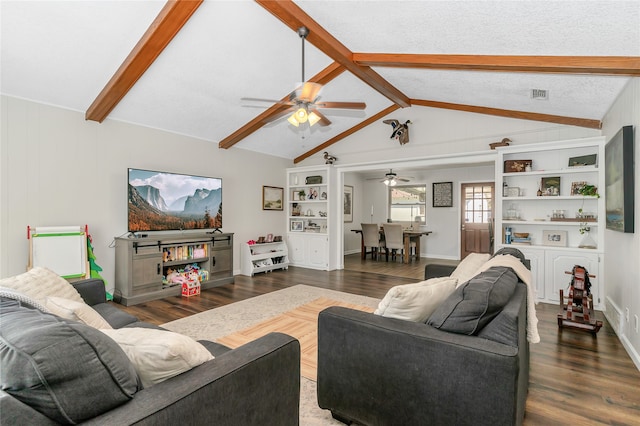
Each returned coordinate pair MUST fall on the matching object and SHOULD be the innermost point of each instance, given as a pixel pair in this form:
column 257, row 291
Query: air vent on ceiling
column 540, row 94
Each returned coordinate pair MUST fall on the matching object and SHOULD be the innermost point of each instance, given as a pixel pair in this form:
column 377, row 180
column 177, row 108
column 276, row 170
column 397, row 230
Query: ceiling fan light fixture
column 292, row 120
column 302, row 115
column 313, row 118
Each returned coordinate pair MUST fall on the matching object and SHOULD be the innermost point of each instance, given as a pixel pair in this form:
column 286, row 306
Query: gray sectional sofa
column 57, row 371
column 374, row 370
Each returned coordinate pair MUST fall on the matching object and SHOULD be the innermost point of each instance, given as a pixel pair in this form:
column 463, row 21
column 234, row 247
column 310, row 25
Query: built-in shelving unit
column 142, row 264
column 554, row 219
column 311, row 216
column 264, row 257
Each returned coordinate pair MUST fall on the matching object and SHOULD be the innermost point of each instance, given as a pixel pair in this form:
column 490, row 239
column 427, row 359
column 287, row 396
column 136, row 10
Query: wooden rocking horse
column 578, row 311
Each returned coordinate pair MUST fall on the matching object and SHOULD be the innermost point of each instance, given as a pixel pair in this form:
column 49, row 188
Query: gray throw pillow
column 66, row 370
column 475, row 303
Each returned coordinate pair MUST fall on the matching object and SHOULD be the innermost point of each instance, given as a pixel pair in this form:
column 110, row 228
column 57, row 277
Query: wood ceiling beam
column 169, row 21
column 294, row 17
column 347, row 132
column 323, row 77
column 604, row 65
column 522, row 115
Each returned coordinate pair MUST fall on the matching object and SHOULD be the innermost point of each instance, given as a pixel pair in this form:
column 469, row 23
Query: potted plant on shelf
column 586, row 191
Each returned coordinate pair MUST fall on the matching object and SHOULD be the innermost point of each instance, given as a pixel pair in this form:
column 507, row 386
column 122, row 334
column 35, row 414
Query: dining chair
column 394, row 239
column 371, row 238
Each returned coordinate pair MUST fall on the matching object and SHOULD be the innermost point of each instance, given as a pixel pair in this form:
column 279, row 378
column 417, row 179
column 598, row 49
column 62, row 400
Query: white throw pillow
column 416, row 302
column 39, row 282
column 469, row 267
column 77, row 311
column 158, row 355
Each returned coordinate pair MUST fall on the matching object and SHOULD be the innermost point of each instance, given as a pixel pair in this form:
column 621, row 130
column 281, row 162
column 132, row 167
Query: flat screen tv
column 162, row 201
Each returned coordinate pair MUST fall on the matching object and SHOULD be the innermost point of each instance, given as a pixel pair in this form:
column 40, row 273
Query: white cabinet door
column 557, row 262
column 317, row 251
column 297, row 249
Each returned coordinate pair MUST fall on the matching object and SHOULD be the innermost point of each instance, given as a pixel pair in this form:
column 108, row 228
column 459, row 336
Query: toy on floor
column 578, row 311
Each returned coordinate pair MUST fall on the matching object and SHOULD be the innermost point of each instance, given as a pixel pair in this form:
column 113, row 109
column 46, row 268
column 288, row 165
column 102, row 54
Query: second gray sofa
column 374, row 370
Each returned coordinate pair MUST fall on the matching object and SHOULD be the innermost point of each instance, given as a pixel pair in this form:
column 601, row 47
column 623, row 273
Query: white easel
column 63, row 249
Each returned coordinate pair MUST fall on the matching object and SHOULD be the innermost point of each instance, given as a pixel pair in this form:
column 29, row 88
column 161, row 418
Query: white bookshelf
column 264, row 257
column 533, row 214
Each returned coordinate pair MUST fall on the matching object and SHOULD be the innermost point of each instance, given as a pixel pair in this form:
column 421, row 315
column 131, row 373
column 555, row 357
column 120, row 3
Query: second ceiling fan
column 392, row 179
column 304, row 102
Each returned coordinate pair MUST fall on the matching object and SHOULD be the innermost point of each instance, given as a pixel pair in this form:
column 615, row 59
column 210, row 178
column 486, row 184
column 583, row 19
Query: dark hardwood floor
column 576, row 379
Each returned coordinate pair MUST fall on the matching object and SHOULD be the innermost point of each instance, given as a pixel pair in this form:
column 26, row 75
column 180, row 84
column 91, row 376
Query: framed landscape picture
column 619, row 186
column 272, row 198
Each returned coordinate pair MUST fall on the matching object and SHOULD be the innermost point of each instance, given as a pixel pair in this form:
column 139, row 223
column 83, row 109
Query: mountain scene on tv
column 166, row 201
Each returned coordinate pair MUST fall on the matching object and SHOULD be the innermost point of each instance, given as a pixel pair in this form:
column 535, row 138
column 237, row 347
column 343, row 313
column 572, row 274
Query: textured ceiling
column 64, row 52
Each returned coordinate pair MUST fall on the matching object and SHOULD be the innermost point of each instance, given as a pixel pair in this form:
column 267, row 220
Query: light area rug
column 301, row 323
column 226, row 320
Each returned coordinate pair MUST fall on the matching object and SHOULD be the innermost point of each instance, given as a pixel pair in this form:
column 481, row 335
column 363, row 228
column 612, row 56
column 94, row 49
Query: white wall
column 58, row 169
column 622, row 251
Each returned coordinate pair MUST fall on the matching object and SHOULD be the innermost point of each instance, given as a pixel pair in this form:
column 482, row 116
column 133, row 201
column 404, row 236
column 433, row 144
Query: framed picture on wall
column 619, row 181
column 272, row 198
column 443, row 194
column 348, row 203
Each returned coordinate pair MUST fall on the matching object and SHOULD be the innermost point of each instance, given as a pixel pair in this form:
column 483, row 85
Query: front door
column 477, row 218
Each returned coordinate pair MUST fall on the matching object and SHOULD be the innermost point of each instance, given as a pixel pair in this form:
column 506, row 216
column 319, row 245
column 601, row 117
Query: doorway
column 477, row 218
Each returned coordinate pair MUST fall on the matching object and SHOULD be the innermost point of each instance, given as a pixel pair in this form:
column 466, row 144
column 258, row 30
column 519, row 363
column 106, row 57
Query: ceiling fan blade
column 324, row 121
column 402, row 179
column 342, row 105
column 309, row 91
column 272, row 101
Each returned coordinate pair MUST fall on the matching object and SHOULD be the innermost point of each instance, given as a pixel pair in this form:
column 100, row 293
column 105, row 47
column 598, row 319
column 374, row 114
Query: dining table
column 407, row 235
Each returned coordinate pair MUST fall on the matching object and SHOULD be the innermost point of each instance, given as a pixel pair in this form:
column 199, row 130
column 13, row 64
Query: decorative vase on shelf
column 587, row 241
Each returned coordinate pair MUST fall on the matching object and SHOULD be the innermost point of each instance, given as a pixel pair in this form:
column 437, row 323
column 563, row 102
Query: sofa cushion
column 25, row 300
column 475, row 303
column 39, row 283
column 468, row 267
column 76, row 311
column 113, row 315
column 68, row 371
column 415, row 302
column 158, row 355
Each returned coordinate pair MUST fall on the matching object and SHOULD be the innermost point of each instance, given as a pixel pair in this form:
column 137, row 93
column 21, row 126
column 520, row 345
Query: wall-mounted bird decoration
column 329, row 159
column 400, row 131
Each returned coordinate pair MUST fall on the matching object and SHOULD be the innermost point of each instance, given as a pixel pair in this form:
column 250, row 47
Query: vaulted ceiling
column 183, row 66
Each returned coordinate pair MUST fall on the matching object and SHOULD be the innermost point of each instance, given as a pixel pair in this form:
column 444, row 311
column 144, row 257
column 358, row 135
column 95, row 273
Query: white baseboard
column 614, row 315
column 635, row 357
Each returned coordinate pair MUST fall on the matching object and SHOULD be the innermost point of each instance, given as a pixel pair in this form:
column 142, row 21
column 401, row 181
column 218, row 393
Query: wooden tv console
column 141, row 263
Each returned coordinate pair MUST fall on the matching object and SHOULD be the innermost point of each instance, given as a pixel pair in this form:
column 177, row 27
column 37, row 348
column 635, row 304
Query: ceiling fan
column 304, row 102
column 392, row 179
